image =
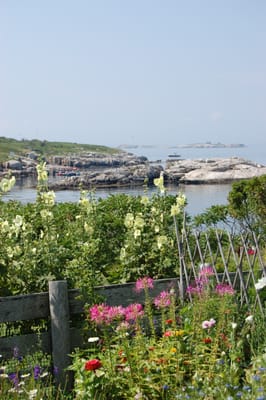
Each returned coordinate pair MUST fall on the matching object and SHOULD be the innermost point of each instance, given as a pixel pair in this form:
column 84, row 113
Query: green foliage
column 45, row 148
column 247, row 203
column 83, row 242
column 212, row 216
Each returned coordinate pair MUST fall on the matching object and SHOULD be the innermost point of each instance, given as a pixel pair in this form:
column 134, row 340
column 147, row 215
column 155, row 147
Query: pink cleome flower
column 144, row 283
column 223, row 288
column 206, row 270
column 103, row 314
column 133, row 311
column 163, row 299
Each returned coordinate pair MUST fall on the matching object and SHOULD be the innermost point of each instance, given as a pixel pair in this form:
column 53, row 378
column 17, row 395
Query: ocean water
column 254, row 152
column 200, row 197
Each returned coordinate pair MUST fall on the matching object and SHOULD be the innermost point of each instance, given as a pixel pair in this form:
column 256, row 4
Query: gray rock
column 216, row 170
column 122, row 176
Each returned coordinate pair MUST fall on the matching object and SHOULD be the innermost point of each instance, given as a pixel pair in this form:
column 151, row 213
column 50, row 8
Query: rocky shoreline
column 94, row 170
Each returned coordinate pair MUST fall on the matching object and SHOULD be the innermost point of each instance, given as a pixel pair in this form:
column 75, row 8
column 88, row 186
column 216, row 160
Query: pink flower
column 223, row 289
column 98, row 313
column 194, row 289
column 199, row 285
column 208, row 324
column 133, row 311
column 168, row 333
column 206, row 270
column 104, row 314
column 163, row 300
column 144, row 283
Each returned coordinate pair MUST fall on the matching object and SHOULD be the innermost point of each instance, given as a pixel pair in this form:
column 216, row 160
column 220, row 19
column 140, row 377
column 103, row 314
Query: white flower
column 249, row 319
column 261, row 283
column 33, row 393
column 234, row 325
column 93, row 339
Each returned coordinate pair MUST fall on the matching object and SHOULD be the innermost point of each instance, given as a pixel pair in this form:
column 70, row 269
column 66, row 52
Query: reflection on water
column 199, row 197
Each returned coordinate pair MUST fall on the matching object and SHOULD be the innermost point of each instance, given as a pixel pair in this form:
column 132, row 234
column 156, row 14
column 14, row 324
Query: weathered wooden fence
column 59, row 305
column 239, row 264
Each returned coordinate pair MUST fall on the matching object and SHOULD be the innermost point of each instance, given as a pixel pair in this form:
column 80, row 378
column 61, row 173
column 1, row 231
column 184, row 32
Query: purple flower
column 36, row 372
column 56, row 370
column 13, row 376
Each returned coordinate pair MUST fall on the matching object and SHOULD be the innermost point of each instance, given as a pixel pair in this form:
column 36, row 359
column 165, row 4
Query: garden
column 202, row 339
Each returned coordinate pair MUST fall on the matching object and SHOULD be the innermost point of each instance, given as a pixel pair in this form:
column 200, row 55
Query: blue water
column 253, row 152
column 199, row 197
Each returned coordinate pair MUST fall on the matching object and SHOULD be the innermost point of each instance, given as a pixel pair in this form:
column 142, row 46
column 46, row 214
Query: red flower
column 169, row 321
column 91, row 365
column 207, row 340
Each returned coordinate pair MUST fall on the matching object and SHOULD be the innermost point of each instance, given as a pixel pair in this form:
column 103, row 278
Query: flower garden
column 208, row 343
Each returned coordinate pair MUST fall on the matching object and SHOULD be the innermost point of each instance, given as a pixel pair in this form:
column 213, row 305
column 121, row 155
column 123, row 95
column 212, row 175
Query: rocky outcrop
column 110, row 177
column 126, row 169
column 214, row 170
column 97, row 160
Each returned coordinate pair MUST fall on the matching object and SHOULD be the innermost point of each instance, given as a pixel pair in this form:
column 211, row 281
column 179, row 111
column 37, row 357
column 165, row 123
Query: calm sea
column 199, row 197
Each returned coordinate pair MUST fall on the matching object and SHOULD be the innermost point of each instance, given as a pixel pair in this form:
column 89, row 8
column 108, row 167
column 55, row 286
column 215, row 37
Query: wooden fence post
column 60, row 330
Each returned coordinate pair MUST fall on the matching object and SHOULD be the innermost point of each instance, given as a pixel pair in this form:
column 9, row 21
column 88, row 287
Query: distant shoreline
column 207, row 145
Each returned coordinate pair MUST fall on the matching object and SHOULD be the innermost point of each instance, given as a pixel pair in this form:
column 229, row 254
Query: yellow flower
column 7, row 184
column 123, row 253
column 144, row 200
column 179, row 332
column 161, row 241
column 41, row 172
column 173, row 350
column 129, row 220
column 88, row 228
column 159, row 182
column 175, row 210
column 139, row 222
column 137, row 233
column 48, row 198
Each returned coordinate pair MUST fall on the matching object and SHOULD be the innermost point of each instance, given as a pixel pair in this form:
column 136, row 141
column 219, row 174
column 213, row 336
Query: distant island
column 206, row 145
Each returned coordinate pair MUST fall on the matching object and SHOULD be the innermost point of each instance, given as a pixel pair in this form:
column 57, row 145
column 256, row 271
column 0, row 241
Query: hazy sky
column 133, row 71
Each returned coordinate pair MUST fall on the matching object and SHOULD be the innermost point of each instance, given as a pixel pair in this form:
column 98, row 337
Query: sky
column 115, row 72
